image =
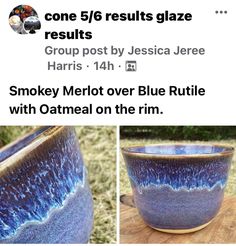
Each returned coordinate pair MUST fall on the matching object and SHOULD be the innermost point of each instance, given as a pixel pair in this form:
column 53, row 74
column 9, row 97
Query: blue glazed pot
column 44, row 193
column 178, row 188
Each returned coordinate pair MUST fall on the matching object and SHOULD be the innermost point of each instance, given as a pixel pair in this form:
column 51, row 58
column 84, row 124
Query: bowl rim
column 28, row 147
column 229, row 150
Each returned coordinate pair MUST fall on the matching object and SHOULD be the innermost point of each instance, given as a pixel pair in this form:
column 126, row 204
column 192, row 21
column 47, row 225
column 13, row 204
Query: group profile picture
column 23, row 19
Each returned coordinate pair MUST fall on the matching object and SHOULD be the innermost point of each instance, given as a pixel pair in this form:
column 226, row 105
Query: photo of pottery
column 45, row 185
column 178, row 186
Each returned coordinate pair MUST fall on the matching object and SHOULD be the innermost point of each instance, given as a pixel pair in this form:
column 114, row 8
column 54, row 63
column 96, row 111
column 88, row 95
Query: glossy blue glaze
column 178, row 174
column 44, row 190
column 178, row 187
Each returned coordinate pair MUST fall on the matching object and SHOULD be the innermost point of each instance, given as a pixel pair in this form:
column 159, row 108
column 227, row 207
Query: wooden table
column 221, row 230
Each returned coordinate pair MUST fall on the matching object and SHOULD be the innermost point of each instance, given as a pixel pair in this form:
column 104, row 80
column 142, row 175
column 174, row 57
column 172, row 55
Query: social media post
column 117, row 122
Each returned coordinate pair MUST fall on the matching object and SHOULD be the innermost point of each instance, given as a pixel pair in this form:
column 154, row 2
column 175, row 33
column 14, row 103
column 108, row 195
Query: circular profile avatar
column 23, row 19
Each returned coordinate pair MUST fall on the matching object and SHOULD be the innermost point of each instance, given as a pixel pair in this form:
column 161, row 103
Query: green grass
column 124, row 181
column 98, row 146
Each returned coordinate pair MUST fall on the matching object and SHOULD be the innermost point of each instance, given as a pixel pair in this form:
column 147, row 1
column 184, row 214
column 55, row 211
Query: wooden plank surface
column 221, row 230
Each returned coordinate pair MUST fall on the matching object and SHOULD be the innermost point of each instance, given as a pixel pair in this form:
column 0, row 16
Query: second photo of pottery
column 177, row 184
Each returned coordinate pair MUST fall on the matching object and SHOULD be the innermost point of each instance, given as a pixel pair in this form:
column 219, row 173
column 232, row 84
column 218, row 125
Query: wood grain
column 221, row 230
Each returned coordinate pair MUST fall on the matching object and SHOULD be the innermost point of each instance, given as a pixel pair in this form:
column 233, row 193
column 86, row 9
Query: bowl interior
column 179, row 149
column 20, row 144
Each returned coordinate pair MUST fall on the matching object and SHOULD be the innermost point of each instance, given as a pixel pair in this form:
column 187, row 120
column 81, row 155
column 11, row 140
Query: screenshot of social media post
column 117, row 122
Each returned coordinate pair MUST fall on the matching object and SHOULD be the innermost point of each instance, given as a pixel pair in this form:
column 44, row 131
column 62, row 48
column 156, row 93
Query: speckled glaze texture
column 178, row 187
column 44, row 193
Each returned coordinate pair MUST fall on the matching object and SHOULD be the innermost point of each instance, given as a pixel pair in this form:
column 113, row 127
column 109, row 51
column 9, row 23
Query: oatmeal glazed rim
column 43, row 133
column 227, row 151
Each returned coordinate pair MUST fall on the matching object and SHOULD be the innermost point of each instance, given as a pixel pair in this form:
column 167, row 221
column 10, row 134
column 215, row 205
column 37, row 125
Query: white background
column 24, row 63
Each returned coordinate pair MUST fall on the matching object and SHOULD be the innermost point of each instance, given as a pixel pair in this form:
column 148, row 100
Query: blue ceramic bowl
column 44, row 193
column 178, row 188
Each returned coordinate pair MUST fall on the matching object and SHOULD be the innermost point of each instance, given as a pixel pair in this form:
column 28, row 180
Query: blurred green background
column 98, row 145
column 144, row 135
column 203, row 133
